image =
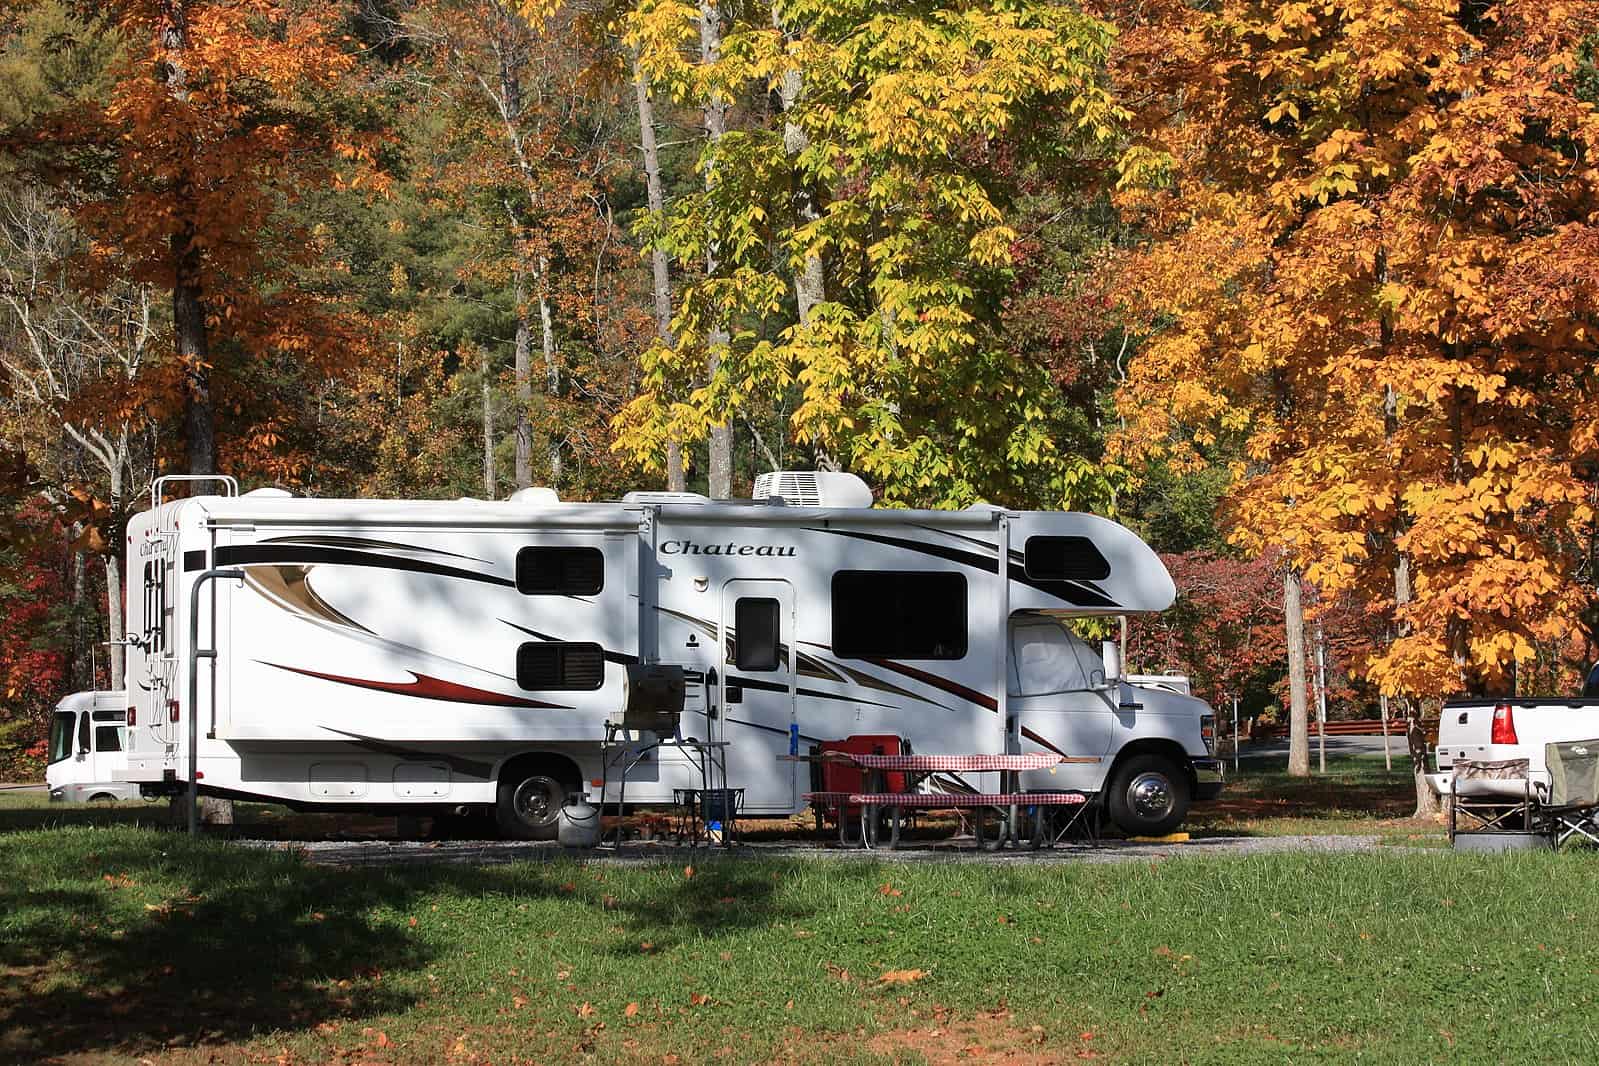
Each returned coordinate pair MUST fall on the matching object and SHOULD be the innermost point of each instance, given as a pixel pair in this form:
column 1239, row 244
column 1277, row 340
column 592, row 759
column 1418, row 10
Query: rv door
column 1056, row 683
column 757, row 691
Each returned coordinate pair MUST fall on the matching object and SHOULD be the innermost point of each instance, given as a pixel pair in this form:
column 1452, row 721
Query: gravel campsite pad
column 493, row 852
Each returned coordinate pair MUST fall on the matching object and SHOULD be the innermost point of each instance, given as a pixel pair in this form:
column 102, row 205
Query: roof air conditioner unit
column 813, row 488
column 536, row 496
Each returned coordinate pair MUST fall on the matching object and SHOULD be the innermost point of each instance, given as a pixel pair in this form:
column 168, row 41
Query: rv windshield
column 62, row 724
column 1050, row 658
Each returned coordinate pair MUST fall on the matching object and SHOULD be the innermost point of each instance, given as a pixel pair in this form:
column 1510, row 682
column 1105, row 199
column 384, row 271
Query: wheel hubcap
column 1150, row 796
column 534, row 803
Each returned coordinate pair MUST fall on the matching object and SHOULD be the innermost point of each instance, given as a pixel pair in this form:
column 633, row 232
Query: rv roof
column 302, row 510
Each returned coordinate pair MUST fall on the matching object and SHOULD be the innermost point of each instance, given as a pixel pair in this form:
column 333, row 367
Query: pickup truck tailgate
column 1464, row 730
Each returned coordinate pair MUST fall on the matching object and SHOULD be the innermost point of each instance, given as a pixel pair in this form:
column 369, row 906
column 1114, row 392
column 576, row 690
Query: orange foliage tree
column 221, row 115
column 1373, row 275
column 1374, row 270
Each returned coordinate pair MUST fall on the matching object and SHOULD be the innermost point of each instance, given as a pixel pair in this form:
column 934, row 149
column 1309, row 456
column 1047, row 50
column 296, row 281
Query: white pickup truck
column 1489, row 730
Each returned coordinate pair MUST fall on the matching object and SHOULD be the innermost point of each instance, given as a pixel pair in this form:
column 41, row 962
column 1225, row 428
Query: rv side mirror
column 1111, row 653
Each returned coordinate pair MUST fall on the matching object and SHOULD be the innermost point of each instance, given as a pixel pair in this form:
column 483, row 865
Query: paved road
column 497, row 852
column 1278, row 749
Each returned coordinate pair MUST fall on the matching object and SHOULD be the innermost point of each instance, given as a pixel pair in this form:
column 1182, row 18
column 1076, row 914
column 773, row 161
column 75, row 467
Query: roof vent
column 537, row 496
column 269, row 493
column 665, row 497
column 813, row 488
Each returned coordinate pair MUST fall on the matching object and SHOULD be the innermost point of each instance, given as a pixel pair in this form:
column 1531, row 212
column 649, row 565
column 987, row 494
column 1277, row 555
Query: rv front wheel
column 528, row 805
column 1148, row 796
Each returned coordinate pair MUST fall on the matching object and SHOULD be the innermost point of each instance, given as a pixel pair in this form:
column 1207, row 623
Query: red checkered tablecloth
column 956, row 763
column 939, row 800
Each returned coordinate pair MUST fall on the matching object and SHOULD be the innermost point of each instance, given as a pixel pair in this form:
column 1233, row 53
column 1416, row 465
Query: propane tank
column 578, row 823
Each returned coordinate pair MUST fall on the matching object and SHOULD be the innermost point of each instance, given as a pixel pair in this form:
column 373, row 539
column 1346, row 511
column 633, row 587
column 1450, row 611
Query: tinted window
column 560, row 571
column 1065, row 559
column 758, row 625
column 899, row 614
column 552, row 666
column 83, row 732
column 107, row 738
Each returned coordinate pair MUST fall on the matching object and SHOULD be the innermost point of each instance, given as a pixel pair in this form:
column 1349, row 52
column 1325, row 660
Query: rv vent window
column 107, row 738
column 1065, row 559
column 560, row 571
column 899, row 614
column 758, row 630
column 553, row 666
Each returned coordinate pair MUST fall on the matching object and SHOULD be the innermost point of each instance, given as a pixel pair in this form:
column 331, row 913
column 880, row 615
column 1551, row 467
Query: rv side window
column 83, row 732
column 758, row 625
column 1064, row 559
column 560, row 571
column 911, row 614
column 553, row 666
column 107, row 738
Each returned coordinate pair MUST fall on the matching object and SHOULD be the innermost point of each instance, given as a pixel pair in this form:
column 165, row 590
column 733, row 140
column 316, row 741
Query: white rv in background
column 409, row 655
column 88, row 749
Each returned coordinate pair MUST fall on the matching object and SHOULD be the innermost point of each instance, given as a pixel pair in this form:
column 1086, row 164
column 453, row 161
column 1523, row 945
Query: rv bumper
column 58, row 794
column 1208, row 778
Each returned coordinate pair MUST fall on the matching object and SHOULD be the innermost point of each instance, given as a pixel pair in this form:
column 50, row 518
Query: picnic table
column 877, row 795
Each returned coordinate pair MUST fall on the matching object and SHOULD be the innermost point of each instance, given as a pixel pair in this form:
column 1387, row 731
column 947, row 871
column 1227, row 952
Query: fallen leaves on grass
column 631, row 1010
column 887, row 889
column 586, row 1010
column 688, row 871
column 699, row 999
column 902, row 977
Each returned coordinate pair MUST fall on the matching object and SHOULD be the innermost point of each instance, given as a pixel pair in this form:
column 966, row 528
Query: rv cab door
column 1052, row 677
column 757, row 691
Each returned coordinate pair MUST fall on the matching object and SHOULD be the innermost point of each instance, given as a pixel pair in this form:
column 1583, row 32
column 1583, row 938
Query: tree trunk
column 115, row 626
column 489, row 490
column 188, row 300
column 552, row 367
column 188, row 326
column 808, row 282
column 660, row 266
column 524, row 390
column 721, row 442
column 1298, row 729
column 1410, row 709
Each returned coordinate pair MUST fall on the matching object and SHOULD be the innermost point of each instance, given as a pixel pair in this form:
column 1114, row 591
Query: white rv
column 88, row 742
column 420, row 656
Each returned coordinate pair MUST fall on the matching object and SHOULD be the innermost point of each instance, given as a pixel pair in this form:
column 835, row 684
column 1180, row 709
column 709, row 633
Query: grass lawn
column 1356, row 795
column 119, row 943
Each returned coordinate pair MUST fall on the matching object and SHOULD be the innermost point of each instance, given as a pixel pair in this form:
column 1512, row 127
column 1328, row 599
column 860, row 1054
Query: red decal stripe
column 430, row 688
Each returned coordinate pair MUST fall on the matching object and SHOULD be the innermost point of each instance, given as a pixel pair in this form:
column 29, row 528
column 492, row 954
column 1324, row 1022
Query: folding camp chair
column 1573, row 806
column 1493, row 795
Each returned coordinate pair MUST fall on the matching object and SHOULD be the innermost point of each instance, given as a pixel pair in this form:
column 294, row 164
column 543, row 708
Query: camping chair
column 1492, row 794
column 1573, row 806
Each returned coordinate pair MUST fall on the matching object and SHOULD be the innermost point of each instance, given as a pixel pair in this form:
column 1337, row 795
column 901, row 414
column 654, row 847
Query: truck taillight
column 1504, row 731
column 133, row 716
column 1207, row 731
column 172, row 710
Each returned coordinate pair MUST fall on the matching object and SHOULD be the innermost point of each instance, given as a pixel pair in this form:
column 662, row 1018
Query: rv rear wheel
column 1148, row 796
column 528, row 803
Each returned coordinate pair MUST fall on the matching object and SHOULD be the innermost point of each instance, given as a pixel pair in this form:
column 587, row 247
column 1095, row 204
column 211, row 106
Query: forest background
column 1302, row 292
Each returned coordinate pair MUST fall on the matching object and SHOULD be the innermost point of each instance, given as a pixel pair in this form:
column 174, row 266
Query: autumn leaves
column 1364, row 290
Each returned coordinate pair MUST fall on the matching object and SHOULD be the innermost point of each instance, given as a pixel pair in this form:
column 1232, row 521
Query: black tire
column 1148, row 796
column 104, row 799
column 528, row 803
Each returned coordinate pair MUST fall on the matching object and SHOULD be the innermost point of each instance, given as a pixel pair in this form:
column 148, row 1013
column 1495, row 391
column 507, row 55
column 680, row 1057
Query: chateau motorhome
column 449, row 656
